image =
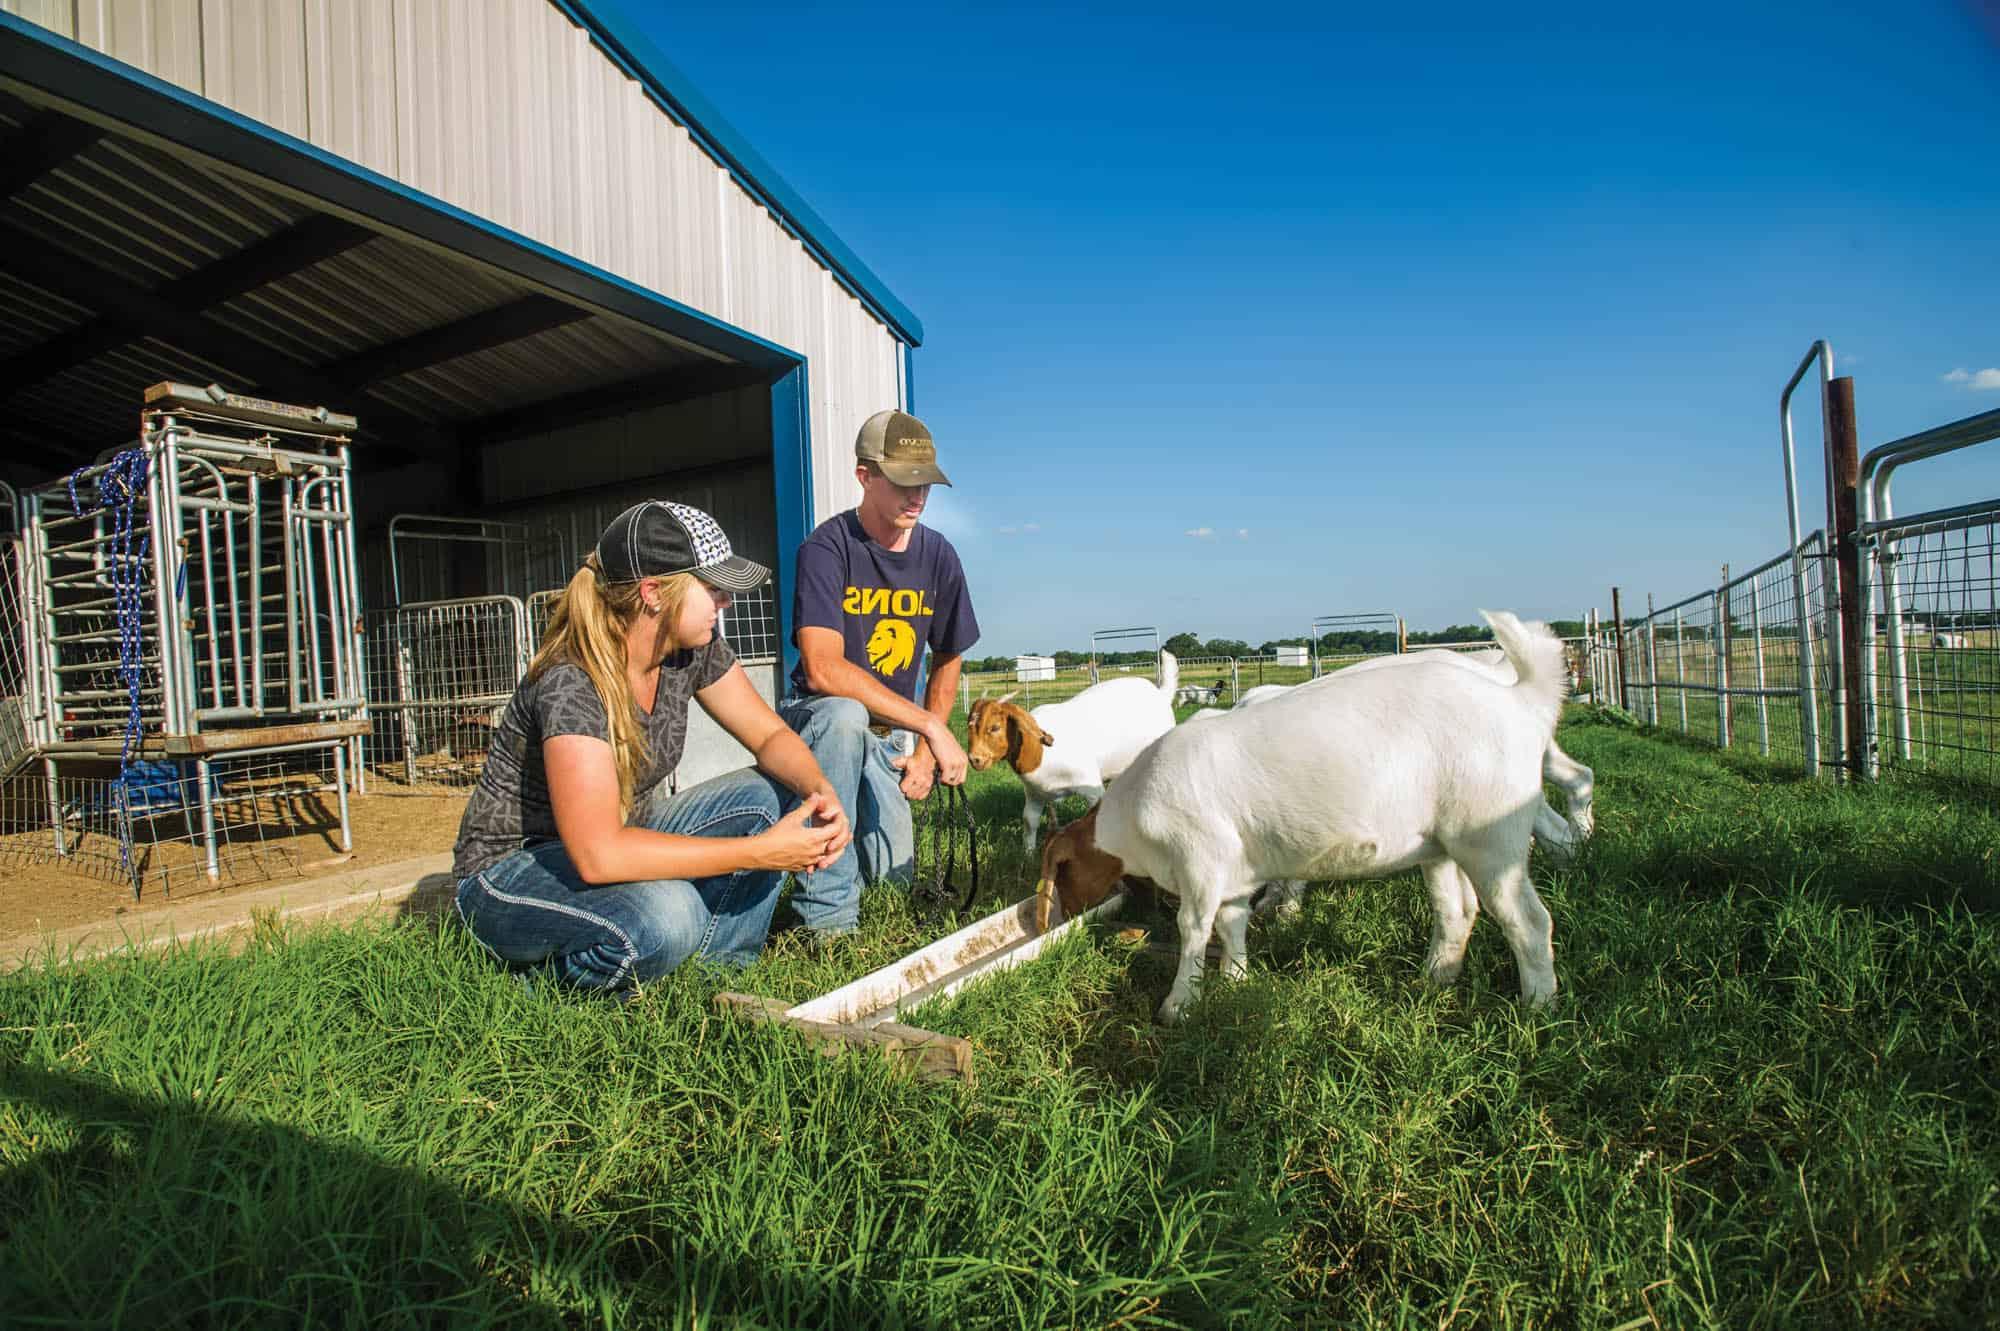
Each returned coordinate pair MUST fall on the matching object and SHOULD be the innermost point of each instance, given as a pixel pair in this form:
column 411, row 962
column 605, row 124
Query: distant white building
column 1294, row 656
column 1032, row 669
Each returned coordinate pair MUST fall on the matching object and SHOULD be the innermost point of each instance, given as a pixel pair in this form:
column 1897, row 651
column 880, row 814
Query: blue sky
column 1229, row 324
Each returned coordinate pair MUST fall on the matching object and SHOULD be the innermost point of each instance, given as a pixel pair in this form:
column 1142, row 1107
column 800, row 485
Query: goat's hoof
column 1444, row 976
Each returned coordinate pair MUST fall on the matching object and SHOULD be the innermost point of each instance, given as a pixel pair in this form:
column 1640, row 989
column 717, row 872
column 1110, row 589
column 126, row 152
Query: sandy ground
column 38, row 896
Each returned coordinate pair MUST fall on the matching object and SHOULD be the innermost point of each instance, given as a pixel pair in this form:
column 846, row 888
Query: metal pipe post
column 1722, row 649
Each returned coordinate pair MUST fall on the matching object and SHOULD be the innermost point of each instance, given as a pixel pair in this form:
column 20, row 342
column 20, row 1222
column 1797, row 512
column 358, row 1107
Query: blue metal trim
column 138, row 102
column 631, row 51
column 791, row 471
column 909, row 379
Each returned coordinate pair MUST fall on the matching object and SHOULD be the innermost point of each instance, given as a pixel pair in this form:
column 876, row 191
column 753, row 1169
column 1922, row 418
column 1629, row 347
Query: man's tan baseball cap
column 901, row 446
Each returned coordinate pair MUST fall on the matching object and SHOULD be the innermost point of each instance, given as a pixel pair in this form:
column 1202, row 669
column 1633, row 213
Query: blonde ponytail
column 587, row 627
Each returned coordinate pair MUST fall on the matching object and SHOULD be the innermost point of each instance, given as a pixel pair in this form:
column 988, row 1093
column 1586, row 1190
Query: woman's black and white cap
column 656, row 538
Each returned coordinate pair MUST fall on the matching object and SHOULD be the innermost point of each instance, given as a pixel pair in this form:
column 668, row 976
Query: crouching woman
column 575, row 854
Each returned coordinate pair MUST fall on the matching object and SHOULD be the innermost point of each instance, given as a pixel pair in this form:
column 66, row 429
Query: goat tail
column 1170, row 672
column 1537, row 657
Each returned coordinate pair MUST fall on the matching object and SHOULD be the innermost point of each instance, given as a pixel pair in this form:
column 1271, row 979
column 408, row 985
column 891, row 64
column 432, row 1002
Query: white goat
column 1263, row 693
column 1577, row 782
column 1431, row 765
column 1073, row 747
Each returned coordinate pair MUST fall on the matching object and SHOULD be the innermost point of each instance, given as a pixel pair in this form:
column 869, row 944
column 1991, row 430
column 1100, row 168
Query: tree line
column 1189, row 645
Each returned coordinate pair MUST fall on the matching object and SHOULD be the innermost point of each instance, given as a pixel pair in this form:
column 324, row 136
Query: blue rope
column 119, row 488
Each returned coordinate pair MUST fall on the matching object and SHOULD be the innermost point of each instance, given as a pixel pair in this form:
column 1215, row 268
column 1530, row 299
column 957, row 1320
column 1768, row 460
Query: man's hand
column 950, row 756
column 919, row 771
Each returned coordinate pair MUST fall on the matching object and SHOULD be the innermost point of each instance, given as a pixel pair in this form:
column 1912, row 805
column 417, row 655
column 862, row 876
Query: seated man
column 872, row 591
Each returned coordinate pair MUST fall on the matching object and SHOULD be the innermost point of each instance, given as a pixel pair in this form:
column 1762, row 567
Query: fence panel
column 1935, row 667
column 439, row 676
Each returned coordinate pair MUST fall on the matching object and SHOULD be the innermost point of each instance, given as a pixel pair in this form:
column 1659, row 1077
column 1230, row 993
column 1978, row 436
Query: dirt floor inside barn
column 37, row 897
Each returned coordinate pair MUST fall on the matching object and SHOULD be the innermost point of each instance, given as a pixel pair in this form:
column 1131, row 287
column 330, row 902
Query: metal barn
column 507, row 237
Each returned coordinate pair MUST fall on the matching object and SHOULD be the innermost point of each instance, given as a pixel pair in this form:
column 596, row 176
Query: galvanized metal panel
column 506, row 109
column 254, row 60
column 162, row 37
column 719, row 428
column 34, row 315
column 351, row 80
column 55, row 15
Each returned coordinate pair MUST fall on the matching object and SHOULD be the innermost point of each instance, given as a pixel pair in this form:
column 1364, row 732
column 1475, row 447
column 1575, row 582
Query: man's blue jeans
column 532, row 908
column 856, row 763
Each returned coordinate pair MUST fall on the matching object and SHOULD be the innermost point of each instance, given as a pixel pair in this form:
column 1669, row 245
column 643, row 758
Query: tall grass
column 1767, row 1097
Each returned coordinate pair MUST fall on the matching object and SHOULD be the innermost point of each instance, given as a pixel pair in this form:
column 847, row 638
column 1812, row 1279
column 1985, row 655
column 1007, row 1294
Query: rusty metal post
column 1844, row 470
column 1618, row 632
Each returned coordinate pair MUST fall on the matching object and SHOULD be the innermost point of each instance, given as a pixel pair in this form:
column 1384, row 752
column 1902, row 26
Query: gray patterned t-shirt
column 511, row 802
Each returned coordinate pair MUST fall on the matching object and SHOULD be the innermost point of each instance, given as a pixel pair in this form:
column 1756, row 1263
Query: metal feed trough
column 862, row 1014
column 192, row 598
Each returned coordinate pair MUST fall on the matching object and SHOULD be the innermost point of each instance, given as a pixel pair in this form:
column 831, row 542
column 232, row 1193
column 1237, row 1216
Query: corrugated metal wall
column 505, row 109
column 712, row 452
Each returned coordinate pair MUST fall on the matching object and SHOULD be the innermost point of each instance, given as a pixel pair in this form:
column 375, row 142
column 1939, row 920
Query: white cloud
column 1007, row 531
column 1242, row 533
column 1201, row 533
column 1979, row 381
column 1031, row 526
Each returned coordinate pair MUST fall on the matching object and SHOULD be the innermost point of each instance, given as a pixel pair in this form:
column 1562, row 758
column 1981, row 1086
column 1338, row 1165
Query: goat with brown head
column 1000, row 728
column 1075, row 872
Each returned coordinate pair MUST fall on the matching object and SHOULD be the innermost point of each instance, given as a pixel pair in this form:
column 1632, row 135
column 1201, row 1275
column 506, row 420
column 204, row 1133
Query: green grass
column 1767, row 1097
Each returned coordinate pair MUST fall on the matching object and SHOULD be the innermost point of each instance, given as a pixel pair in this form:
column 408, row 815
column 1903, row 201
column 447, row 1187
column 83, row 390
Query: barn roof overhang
column 147, row 234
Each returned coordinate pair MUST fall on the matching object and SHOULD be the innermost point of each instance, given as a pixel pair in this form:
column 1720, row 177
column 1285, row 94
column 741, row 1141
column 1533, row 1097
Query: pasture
column 1768, row 1097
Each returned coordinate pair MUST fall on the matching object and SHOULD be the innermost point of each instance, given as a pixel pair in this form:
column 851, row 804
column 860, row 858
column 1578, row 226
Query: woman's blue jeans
column 532, row 908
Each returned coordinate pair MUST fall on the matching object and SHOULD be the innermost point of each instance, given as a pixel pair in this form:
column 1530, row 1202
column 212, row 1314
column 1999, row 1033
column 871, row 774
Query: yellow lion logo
column 891, row 646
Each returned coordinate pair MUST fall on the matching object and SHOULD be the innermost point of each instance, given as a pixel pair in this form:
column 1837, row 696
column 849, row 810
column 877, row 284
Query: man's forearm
column 845, row 679
column 941, row 694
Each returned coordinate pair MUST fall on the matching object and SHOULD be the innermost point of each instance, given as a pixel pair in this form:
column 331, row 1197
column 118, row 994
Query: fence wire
column 1726, row 665
column 273, row 813
column 439, row 676
column 1935, row 669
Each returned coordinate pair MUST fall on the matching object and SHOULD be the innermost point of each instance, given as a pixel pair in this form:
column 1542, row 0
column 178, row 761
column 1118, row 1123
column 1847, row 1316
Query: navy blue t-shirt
column 888, row 605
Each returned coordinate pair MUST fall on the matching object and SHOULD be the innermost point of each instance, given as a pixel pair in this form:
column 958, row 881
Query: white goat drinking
column 1074, row 747
column 1431, row 765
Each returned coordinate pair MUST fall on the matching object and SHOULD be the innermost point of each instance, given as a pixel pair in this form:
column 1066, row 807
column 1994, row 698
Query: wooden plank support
column 263, row 737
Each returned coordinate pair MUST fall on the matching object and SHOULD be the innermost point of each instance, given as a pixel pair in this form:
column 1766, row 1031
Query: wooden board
column 263, row 737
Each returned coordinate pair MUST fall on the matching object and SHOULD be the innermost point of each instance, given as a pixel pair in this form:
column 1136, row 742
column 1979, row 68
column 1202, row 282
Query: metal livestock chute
column 193, row 599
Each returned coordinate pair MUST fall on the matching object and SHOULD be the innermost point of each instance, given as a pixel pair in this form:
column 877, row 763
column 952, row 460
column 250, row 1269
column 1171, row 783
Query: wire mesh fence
column 16, row 745
column 1934, row 669
column 439, row 676
column 1729, row 665
column 269, row 814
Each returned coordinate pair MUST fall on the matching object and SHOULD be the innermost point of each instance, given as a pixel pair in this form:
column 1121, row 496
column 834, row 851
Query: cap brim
column 734, row 574
column 913, row 473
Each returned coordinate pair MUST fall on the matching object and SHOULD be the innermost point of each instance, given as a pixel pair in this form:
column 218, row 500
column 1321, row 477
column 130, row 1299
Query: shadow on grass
column 1677, row 816
column 164, row 1212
